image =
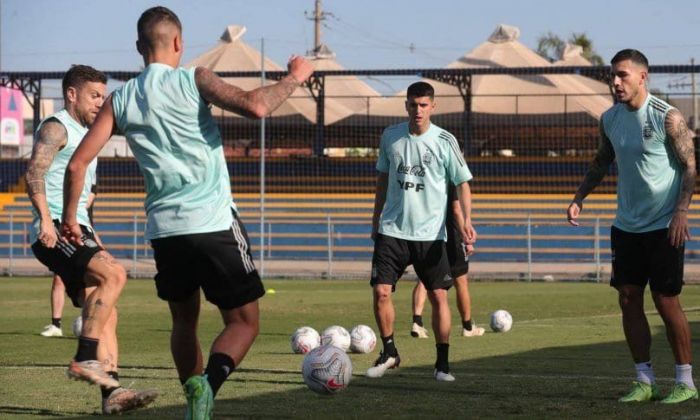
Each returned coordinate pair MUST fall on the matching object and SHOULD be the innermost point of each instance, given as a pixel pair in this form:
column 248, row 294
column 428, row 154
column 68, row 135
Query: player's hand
column 72, row 233
column 47, row 234
column 470, row 249
column 300, row 68
column 468, row 233
column 573, row 212
column 678, row 231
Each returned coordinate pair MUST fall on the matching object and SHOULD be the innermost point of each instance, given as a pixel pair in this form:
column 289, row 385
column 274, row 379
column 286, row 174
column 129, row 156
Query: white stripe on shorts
column 242, row 247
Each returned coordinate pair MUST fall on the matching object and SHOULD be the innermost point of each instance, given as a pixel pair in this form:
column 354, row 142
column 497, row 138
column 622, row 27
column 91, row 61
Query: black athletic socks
column 418, row 319
column 87, row 349
column 467, row 325
column 389, row 345
column 105, row 390
column 56, row 322
column 219, row 366
column 443, row 350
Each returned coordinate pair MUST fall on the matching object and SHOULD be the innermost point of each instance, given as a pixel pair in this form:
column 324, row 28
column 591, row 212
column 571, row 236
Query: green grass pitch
column 564, row 358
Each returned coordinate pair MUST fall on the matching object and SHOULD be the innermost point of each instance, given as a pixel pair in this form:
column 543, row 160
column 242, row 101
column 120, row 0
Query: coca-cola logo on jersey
column 416, row 170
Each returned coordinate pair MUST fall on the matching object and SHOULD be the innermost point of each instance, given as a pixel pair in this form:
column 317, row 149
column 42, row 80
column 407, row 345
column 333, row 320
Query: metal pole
column 136, row 239
column 695, row 101
column 596, row 246
column 262, row 166
column 12, row 245
column 330, row 245
column 24, row 239
column 529, row 248
column 269, row 240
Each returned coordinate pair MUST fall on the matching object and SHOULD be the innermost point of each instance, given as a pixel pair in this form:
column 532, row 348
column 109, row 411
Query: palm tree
column 582, row 40
column 550, row 46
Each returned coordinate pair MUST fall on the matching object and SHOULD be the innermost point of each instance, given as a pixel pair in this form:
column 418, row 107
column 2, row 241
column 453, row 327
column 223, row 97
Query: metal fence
column 526, row 131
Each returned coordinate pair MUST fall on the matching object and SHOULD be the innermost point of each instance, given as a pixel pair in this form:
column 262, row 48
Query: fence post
column 529, row 248
column 12, row 245
column 269, row 240
column 25, row 245
column 330, row 246
column 596, row 247
column 135, row 251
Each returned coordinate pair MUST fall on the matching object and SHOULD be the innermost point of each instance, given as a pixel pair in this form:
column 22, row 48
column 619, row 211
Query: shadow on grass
column 562, row 382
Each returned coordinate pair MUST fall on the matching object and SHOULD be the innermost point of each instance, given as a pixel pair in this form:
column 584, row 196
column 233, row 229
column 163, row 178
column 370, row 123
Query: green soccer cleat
column 680, row 393
column 200, row 398
column 641, row 392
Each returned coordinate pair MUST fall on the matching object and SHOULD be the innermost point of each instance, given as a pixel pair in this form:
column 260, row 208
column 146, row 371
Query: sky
column 50, row 35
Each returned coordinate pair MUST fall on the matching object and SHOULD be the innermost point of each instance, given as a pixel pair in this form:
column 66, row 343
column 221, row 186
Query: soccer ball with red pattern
column 336, row 335
column 327, row 370
column 362, row 339
column 304, row 340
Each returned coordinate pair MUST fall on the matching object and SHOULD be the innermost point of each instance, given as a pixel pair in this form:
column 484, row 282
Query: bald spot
column 159, row 36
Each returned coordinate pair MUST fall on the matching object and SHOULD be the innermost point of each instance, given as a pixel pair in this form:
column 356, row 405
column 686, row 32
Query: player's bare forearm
column 464, row 196
column 51, row 138
column 597, row 170
column 379, row 200
column 256, row 103
column 681, row 141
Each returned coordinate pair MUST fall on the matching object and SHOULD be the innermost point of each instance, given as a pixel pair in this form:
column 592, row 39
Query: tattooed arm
column 596, row 172
column 681, row 141
column 256, row 103
column 51, row 138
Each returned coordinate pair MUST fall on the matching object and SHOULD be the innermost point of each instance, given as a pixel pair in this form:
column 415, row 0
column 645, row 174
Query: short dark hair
column 633, row 55
column 80, row 74
column 149, row 19
column 420, row 89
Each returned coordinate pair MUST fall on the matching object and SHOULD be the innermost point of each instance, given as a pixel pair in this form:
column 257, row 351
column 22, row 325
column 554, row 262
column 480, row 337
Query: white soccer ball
column 362, row 339
column 78, row 326
column 304, row 340
column 327, row 369
column 501, row 321
column 336, row 335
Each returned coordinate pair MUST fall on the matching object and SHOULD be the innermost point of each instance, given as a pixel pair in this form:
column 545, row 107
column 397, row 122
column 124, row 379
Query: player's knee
column 116, row 277
column 382, row 295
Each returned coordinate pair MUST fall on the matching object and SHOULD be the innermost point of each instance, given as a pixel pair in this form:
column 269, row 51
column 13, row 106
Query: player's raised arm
column 90, row 146
column 51, row 138
column 681, row 141
column 255, row 103
column 596, row 172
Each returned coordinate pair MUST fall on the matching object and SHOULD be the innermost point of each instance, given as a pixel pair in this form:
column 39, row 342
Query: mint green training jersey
column 420, row 169
column 54, row 176
column 177, row 144
column 649, row 175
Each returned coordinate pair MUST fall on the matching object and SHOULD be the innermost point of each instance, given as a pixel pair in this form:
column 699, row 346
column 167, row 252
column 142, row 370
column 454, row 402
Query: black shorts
column 393, row 255
column 648, row 257
column 218, row 262
column 69, row 261
column 457, row 254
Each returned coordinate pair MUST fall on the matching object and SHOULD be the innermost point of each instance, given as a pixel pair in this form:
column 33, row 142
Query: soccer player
column 653, row 148
column 193, row 225
column 92, row 277
column 417, row 161
column 58, row 289
column 458, row 253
